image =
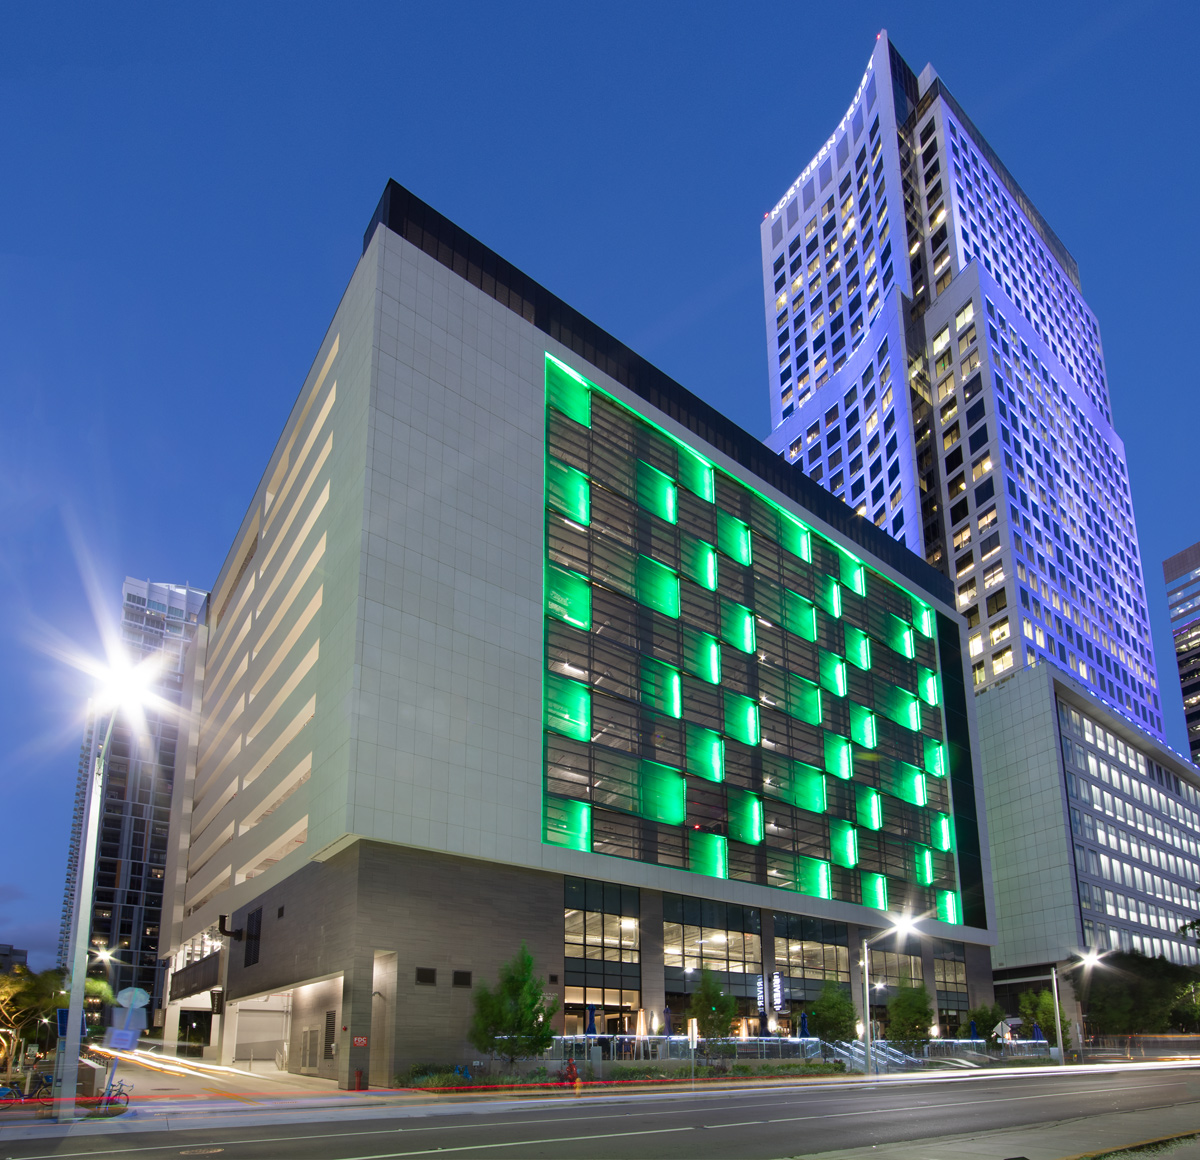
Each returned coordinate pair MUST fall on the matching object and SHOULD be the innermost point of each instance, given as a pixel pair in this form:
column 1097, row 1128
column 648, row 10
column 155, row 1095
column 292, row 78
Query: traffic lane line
column 711, row 1127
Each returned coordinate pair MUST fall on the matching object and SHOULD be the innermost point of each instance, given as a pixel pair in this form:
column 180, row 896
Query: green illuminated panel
column 923, row 859
column 906, row 782
column 745, row 817
column 935, row 757
column 948, row 908
column 696, row 474
column 657, row 586
column 656, row 492
column 828, row 594
column 662, row 793
column 795, row 537
column 898, row 705
column 705, row 753
column 568, row 491
column 898, row 636
column 838, row 756
column 794, row 781
column 567, row 391
column 699, row 561
column 858, row 648
column 701, row 655
column 567, row 823
column 741, row 718
column 874, row 890
column 853, row 574
column 568, row 597
column 813, row 877
column 737, row 626
column 940, row 833
column 708, row 854
column 862, row 726
column 568, row 707
column 927, row 685
column 799, row 615
column 843, row 843
column 869, row 807
column 662, row 687
column 803, row 700
column 733, row 537
column 833, row 673
column 923, row 618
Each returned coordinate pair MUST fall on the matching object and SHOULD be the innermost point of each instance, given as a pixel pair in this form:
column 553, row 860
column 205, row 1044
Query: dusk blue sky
column 186, row 188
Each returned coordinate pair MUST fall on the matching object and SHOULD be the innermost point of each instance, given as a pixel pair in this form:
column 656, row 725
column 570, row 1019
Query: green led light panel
column 733, row 537
column 568, row 597
column 698, row 562
column 656, row 492
column 568, row 491
column 843, row 843
column 701, row 655
column 754, row 700
column 705, row 753
column 737, row 626
column 708, row 854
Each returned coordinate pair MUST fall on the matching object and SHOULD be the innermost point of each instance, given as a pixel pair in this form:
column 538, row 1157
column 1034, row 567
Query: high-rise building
column 933, row 362
column 156, row 620
column 1093, row 827
column 1182, row 574
column 519, row 641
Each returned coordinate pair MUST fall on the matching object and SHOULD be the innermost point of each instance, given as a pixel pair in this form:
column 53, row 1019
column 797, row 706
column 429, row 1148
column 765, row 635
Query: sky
column 186, row 187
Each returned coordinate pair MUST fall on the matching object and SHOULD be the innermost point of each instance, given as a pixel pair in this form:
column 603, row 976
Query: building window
column 715, row 936
column 426, row 977
column 253, row 937
column 463, row 979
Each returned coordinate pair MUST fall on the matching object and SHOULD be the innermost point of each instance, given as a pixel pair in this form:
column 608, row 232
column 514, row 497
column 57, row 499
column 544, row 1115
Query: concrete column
column 854, row 936
column 358, row 981
column 170, row 1029
column 768, row 966
column 227, row 1035
column 931, row 982
column 650, row 932
column 382, row 1046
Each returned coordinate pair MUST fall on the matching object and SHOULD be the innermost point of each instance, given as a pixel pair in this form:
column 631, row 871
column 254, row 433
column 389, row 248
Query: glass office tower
column 933, row 362
column 1182, row 574
column 156, row 619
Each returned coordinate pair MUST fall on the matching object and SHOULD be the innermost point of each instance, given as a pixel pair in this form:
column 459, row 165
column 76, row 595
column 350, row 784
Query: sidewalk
column 1075, row 1139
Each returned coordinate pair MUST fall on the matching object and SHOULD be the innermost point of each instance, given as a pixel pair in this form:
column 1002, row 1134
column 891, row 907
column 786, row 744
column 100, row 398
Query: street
column 762, row 1122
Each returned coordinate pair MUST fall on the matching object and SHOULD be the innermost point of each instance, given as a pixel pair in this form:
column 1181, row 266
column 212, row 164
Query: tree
column 910, row 1015
column 27, row 996
column 514, row 1019
column 984, row 1018
column 1129, row 994
column 832, row 1017
column 1038, row 1007
column 712, row 1009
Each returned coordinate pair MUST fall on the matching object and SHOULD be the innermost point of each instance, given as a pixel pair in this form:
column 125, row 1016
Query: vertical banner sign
column 762, row 994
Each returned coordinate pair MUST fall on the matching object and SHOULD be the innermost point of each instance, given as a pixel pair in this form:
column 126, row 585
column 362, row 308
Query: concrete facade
column 369, row 694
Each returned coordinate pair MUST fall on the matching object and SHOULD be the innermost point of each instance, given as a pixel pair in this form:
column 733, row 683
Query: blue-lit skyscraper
column 934, row 363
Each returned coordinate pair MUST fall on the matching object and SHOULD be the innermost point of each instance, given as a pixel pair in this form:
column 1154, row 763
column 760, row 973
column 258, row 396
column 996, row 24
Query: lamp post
column 901, row 925
column 123, row 687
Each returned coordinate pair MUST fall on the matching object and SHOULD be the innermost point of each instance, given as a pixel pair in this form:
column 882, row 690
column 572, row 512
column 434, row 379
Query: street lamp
column 900, row 925
column 123, row 687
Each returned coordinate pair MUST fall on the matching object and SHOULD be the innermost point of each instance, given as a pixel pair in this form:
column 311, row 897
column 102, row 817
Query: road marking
column 519, row 1143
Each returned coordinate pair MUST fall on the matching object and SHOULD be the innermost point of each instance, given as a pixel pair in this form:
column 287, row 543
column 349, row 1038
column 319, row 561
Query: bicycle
column 41, row 1090
column 116, row 1096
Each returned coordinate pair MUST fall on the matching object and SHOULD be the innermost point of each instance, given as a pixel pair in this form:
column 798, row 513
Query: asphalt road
column 767, row 1123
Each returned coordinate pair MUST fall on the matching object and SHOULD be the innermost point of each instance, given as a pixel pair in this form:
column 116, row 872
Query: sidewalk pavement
column 1076, row 1139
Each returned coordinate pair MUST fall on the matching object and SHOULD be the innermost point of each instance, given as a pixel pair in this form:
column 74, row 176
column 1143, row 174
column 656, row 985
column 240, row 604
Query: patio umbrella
column 804, row 1025
column 591, row 1023
column 1038, row 1037
column 666, row 1020
column 974, row 1032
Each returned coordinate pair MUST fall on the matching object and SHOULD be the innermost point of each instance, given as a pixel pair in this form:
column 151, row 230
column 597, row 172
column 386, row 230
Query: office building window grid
column 727, row 691
column 1134, row 827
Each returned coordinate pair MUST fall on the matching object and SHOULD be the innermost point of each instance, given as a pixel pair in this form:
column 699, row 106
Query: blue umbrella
column 591, row 1023
column 974, row 1032
column 803, row 1024
column 1038, row 1037
column 667, row 1020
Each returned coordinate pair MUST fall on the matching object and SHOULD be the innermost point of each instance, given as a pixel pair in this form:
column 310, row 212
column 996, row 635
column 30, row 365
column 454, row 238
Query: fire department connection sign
column 360, row 1041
